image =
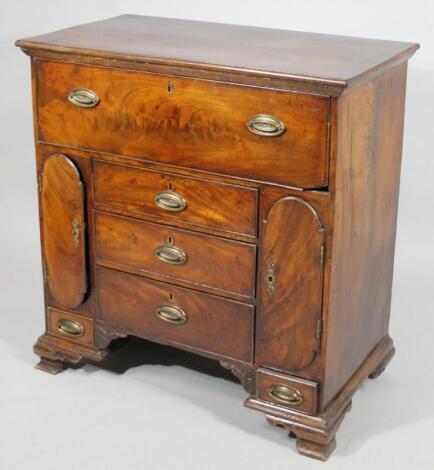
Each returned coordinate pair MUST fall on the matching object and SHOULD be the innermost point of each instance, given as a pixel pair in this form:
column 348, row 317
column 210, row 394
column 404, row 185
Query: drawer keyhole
column 170, row 87
column 270, row 278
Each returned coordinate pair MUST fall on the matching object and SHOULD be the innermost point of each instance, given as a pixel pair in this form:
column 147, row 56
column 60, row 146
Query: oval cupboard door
column 63, row 225
column 290, row 286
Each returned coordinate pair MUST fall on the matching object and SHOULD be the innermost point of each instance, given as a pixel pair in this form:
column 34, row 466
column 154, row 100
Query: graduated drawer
column 205, row 203
column 170, row 314
column 287, row 391
column 256, row 133
column 176, row 254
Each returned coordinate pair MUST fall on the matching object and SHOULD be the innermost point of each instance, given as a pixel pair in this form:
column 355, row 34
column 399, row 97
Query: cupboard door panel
column 290, row 286
column 63, row 225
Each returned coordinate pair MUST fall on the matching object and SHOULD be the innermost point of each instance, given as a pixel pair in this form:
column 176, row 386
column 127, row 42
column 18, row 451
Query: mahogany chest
column 227, row 190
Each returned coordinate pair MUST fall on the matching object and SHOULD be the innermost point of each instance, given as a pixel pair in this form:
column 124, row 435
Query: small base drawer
column 165, row 313
column 287, row 391
column 70, row 326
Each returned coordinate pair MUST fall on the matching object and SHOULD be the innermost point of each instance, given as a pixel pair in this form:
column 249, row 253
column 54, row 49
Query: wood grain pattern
column 300, row 56
column 308, row 390
column 130, row 302
column 369, row 143
column 223, row 206
column 287, row 320
column 63, row 230
column 318, row 203
column 209, row 259
column 316, row 433
column 200, row 124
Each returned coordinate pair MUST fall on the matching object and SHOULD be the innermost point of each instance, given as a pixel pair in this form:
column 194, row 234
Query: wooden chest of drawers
column 227, row 190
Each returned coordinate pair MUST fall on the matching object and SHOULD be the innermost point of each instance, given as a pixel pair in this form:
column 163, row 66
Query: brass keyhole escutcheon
column 270, row 278
column 75, row 232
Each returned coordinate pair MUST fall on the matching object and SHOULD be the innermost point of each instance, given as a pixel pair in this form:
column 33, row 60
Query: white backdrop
column 110, row 421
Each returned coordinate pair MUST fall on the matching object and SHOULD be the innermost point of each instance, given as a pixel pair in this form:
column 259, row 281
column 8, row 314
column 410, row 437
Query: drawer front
column 70, row 326
column 285, row 390
column 169, row 314
column 177, row 254
column 175, row 197
column 192, row 123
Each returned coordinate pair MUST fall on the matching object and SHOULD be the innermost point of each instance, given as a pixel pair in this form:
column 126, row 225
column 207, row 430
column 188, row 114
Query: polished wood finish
column 277, row 257
column 54, row 316
column 129, row 242
column 307, row 389
column 63, row 230
column 368, row 153
column 290, row 283
column 320, row 58
column 130, row 302
column 223, row 206
column 315, row 434
column 199, row 124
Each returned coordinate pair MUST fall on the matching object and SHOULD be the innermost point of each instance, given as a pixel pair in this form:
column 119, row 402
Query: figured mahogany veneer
column 223, row 206
column 227, row 190
column 63, row 230
column 207, row 318
column 194, row 123
column 208, row 259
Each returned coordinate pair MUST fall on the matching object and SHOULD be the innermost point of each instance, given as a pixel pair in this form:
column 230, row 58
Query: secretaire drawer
column 176, row 254
column 187, row 199
column 165, row 313
column 230, row 129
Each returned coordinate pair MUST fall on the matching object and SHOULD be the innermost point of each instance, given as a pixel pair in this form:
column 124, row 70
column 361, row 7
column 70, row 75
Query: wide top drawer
column 260, row 134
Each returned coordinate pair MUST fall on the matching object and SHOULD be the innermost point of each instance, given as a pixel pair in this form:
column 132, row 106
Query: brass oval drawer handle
column 171, row 314
column 170, row 254
column 70, row 328
column 286, row 395
column 83, row 97
column 170, row 201
column 265, row 125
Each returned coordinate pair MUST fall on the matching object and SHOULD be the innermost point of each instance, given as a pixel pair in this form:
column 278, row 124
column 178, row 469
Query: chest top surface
column 320, row 58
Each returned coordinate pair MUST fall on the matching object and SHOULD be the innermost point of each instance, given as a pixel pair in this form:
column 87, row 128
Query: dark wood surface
column 130, row 302
column 130, row 242
column 368, row 161
column 224, row 206
column 288, row 321
column 307, row 389
column 55, row 315
column 200, row 124
column 311, row 212
column 304, row 56
column 315, row 434
column 63, row 230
